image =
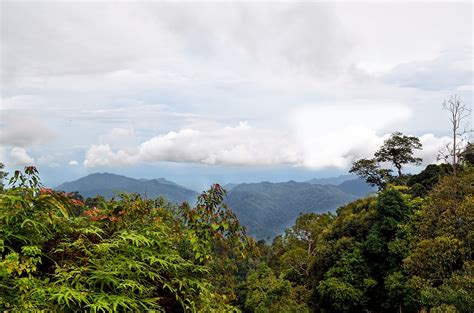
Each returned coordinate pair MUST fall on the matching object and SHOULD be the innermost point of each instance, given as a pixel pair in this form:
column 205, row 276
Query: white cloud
column 118, row 137
column 24, row 132
column 431, row 145
column 168, row 68
column 333, row 136
column 19, row 156
column 388, row 33
column 73, row 163
column 446, row 72
column 103, row 155
column 305, row 37
column 50, row 160
column 240, row 145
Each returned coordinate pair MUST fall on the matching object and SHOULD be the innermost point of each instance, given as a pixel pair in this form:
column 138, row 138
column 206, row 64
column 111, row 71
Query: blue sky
column 228, row 92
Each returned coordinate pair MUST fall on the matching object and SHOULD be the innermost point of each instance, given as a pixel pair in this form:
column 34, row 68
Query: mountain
column 357, row 187
column 331, row 180
column 107, row 185
column 267, row 208
column 347, row 183
column 230, row 186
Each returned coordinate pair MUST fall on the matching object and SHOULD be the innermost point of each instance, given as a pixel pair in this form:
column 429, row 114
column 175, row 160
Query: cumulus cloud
column 334, row 134
column 19, row 156
column 24, row 132
column 315, row 141
column 240, row 145
column 431, row 145
column 73, row 163
column 169, row 68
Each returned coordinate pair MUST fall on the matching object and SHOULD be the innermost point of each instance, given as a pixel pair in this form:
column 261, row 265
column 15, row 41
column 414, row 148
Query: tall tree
column 370, row 170
column 398, row 150
column 458, row 113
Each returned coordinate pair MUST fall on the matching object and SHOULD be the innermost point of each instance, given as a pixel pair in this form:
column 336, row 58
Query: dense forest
column 409, row 248
column 236, row 156
column 264, row 208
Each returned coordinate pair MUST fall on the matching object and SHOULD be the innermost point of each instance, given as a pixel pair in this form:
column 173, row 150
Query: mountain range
column 108, row 185
column 332, row 180
column 268, row 208
column 264, row 208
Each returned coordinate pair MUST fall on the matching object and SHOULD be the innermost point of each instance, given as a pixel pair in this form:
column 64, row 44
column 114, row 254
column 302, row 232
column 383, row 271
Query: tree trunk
column 454, row 153
column 399, row 168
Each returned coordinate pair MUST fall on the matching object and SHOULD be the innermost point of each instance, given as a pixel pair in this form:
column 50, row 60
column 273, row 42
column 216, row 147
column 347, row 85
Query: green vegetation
column 397, row 150
column 268, row 208
column 408, row 248
column 129, row 254
column 397, row 251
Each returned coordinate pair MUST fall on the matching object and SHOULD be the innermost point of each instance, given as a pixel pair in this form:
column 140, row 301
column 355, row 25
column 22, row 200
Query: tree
column 458, row 112
column 439, row 261
column 269, row 293
column 370, row 170
column 430, row 176
column 124, row 254
column 3, row 174
column 398, row 150
column 306, row 229
column 468, row 154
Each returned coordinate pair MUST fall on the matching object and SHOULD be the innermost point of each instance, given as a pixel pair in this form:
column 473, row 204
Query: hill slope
column 267, row 208
column 107, row 185
column 357, row 187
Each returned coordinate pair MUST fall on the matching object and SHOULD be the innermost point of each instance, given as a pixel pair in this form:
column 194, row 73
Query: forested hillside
column 229, row 118
column 108, row 185
column 267, row 208
column 407, row 248
column 129, row 254
column 393, row 252
column 264, row 208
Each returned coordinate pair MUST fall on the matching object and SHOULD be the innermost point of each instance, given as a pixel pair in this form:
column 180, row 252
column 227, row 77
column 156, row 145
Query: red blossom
column 46, row 191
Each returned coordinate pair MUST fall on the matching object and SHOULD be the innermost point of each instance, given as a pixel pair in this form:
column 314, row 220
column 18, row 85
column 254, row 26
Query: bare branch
column 458, row 112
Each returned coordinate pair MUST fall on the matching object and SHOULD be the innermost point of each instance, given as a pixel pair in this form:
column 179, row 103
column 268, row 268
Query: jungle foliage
column 409, row 248
column 124, row 254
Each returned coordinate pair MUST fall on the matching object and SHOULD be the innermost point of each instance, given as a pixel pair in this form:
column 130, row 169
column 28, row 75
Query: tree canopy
column 408, row 248
column 370, row 170
column 399, row 150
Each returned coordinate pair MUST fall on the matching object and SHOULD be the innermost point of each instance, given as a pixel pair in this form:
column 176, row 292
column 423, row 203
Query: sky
column 225, row 91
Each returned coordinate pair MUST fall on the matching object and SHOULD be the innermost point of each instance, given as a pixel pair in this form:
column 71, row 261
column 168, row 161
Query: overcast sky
column 228, row 92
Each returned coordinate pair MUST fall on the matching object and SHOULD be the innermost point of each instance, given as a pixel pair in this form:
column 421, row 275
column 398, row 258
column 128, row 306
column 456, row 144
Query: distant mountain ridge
column 332, row 180
column 357, row 187
column 107, row 185
column 265, row 208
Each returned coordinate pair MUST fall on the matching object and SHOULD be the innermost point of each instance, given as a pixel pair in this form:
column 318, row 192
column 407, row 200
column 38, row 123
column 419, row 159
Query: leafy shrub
column 125, row 254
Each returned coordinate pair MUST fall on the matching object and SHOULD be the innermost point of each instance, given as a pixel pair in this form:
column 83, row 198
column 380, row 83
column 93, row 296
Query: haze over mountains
column 265, row 208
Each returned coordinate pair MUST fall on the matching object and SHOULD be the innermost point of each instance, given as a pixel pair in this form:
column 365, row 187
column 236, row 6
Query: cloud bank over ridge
column 244, row 145
column 141, row 84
